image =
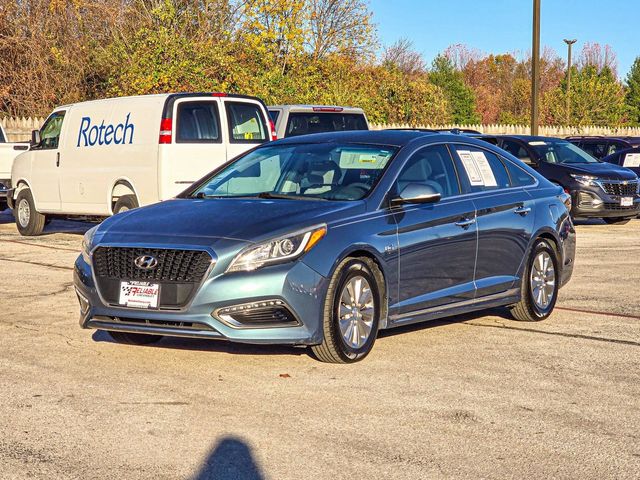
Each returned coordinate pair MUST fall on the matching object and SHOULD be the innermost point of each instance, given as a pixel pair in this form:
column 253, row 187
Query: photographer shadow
column 231, row 459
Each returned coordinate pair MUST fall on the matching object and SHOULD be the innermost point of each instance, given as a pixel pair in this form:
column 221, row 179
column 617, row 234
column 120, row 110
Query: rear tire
column 134, row 338
column 125, row 203
column 539, row 288
column 617, row 220
column 28, row 220
column 350, row 319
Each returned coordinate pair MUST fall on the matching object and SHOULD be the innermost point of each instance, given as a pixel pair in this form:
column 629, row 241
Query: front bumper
column 595, row 203
column 295, row 285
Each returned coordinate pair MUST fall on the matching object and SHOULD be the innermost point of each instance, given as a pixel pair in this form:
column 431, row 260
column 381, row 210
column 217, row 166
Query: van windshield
column 302, row 171
column 303, row 123
column 561, row 152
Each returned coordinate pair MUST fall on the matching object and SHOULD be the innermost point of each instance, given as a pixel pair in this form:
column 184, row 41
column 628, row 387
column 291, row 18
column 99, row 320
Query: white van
column 102, row 157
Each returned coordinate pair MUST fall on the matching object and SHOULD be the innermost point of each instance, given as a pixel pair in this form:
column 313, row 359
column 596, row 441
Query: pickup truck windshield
column 301, row 171
column 561, row 152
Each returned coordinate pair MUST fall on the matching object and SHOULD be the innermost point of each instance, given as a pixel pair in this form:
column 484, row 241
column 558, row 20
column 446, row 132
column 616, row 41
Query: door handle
column 57, row 159
column 522, row 210
column 466, row 223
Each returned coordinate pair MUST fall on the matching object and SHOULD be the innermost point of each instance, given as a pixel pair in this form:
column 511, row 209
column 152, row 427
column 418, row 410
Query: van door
column 45, row 164
column 198, row 146
column 246, row 125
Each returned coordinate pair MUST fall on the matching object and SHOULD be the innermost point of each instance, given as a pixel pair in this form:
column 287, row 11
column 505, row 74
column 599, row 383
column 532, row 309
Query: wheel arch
column 121, row 187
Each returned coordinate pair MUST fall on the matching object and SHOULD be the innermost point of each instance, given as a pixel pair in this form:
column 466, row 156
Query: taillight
column 166, row 126
column 274, row 134
column 327, row 109
column 218, row 94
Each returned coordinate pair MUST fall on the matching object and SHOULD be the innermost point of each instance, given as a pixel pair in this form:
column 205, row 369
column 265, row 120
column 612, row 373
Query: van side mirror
column 35, row 138
column 416, row 193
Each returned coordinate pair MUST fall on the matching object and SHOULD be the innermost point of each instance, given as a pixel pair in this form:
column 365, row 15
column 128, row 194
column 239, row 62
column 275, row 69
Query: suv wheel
column 125, row 203
column 28, row 220
column 352, row 312
column 539, row 289
column 617, row 220
column 134, row 338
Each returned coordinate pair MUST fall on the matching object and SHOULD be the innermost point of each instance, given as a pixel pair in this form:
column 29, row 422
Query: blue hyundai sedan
column 324, row 240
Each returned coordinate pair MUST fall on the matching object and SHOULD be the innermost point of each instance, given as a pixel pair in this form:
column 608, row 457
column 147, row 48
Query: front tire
column 617, row 220
column 125, row 203
column 539, row 288
column 28, row 220
column 134, row 338
column 352, row 311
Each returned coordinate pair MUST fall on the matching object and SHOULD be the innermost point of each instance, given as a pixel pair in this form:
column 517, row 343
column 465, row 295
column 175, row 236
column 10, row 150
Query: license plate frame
column 626, row 201
column 139, row 295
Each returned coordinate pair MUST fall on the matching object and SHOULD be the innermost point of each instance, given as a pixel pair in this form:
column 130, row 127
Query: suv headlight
column 279, row 250
column 87, row 243
column 586, row 180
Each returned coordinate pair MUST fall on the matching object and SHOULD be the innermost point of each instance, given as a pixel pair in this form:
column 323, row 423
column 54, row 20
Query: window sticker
column 488, row 178
column 469, row 164
column 537, row 143
column 363, row 159
column 632, row 160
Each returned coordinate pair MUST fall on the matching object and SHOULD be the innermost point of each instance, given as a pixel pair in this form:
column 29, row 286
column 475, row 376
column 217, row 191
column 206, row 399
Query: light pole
column 535, row 68
column 569, row 45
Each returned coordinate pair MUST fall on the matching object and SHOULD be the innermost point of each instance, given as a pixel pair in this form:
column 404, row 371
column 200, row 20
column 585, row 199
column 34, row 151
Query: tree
column 460, row 97
column 633, row 92
column 402, row 56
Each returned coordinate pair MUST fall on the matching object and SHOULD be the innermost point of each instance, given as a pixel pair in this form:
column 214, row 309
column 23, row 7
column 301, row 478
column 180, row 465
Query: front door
column 45, row 164
column 437, row 241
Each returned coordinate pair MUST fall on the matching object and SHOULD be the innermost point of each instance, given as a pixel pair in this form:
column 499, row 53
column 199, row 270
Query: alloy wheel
column 356, row 312
column 543, row 280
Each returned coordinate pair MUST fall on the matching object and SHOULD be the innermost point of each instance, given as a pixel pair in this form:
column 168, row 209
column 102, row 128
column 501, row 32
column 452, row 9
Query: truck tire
column 29, row 221
column 125, row 203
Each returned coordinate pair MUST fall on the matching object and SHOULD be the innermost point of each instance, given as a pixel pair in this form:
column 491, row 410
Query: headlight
column 87, row 243
column 279, row 250
column 586, row 180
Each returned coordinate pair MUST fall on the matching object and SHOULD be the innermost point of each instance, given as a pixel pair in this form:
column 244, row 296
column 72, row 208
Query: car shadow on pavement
column 213, row 345
column 230, row 459
column 73, row 227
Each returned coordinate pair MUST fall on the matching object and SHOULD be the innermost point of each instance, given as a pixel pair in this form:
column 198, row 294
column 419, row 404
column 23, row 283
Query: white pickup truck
column 8, row 151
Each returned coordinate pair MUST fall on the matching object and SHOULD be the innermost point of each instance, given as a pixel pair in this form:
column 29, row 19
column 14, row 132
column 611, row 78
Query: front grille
column 627, row 189
column 159, row 323
column 617, row 206
column 181, row 266
column 179, row 272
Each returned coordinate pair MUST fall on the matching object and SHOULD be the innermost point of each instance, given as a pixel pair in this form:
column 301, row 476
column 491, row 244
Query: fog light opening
column 263, row 314
column 84, row 303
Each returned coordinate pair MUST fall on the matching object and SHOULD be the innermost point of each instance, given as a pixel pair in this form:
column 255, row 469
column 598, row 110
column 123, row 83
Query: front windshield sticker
column 632, row 160
column 364, row 159
column 537, row 143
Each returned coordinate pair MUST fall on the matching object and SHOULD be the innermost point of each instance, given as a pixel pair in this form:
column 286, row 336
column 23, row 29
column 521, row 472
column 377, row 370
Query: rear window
column 314, row 122
column 246, row 123
column 198, row 122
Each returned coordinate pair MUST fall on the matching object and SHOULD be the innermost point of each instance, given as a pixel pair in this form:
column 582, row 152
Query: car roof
column 397, row 138
column 310, row 108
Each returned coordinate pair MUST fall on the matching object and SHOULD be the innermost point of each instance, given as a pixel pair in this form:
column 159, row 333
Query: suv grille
column 183, row 266
column 620, row 189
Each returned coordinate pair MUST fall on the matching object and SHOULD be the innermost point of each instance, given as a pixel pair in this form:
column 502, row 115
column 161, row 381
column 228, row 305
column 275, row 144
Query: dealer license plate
column 139, row 294
column 626, row 202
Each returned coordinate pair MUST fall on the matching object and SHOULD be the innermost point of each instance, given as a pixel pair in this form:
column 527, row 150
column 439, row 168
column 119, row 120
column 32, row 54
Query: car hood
column 601, row 170
column 204, row 221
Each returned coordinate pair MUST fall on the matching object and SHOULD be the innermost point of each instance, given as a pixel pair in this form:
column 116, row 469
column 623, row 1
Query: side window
column 519, row 178
column 595, row 149
column 517, row 150
column 614, row 147
column 198, row 122
column 481, row 169
column 246, row 124
column 431, row 166
column 50, row 132
column 274, row 114
column 2, row 139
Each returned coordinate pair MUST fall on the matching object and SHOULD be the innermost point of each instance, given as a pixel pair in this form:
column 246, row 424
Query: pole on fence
column 535, row 68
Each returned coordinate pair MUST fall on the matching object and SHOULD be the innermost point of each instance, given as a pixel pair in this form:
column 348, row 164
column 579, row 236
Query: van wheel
column 125, row 203
column 352, row 311
column 539, row 289
column 617, row 220
column 135, row 338
column 28, row 220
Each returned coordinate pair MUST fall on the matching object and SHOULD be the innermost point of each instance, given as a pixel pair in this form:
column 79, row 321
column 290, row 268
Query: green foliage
column 460, row 97
column 633, row 93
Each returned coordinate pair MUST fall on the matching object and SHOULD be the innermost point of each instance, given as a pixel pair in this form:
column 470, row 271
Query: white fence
column 19, row 129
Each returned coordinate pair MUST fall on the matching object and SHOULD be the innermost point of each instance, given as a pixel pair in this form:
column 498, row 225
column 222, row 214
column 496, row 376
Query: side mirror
column 416, row 193
column 35, row 138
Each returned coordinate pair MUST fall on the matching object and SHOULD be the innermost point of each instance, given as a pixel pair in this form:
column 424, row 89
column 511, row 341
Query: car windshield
column 561, row 152
column 326, row 171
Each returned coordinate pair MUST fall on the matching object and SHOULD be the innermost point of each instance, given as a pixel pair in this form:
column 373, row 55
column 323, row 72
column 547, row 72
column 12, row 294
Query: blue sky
column 499, row 26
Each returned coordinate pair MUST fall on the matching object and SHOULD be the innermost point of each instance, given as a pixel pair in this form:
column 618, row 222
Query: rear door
column 198, row 145
column 504, row 216
column 246, row 125
column 45, row 163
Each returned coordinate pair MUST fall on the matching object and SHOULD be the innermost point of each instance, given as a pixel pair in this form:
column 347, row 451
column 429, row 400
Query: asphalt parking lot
column 481, row 396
